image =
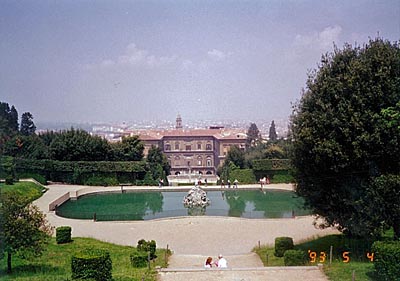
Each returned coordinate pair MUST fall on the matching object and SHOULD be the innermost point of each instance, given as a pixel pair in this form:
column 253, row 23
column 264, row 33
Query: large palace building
column 194, row 151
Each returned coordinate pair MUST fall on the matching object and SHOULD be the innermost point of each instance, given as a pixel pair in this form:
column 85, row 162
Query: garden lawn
column 55, row 262
column 28, row 189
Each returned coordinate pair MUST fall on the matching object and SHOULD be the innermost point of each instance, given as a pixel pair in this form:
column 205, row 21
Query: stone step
column 292, row 273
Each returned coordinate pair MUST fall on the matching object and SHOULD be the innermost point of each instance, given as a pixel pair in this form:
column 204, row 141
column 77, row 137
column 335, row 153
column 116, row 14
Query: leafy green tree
column 128, row 149
column 273, row 136
column 26, row 230
column 27, row 126
column 31, row 147
column 383, row 199
column 158, row 162
column 392, row 116
column 254, row 154
column 253, row 136
column 236, row 156
column 342, row 140
column 274, row 152
column 78, row 145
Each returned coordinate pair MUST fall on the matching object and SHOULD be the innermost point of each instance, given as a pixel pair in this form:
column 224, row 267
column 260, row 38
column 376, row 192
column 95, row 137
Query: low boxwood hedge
column 294, row 258
column 92, row 263
column 63, row 234
column 283, row 244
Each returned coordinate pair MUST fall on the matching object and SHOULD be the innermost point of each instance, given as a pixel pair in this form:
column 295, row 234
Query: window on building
column 177, row 146
column 199, row 161
column 177, row 161
column 199, row 145
column 167, row 147
column 188, row 147
column 208, row 146
column 208, row 162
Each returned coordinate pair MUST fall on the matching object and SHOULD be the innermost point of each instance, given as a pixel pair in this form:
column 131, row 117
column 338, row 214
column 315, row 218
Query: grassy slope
column 55, row 262
column 337, row 271
column 28, row 189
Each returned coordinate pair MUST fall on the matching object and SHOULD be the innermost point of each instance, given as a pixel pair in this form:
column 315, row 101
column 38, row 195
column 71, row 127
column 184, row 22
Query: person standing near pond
column 229, row 183
column 235, row 183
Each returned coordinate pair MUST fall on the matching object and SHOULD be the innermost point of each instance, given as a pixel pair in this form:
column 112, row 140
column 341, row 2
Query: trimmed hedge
column 139, row 259
column 294, row 257
column 101, row 181
column 92, row 263
column 147, row 246
column 243, row 176
column 39, row 178
column 278, row 170
column 79, row 172
column 271, row 164
column 282, row 244
column 63, row 234
column 386, row 262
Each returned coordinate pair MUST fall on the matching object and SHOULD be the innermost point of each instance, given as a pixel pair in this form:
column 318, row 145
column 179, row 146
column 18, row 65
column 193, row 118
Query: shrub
column 92, row 263
column 387, row 257
column 294, row 257
column 282, row 244
column 139, row 259
column 147, row 246
column 63, row 234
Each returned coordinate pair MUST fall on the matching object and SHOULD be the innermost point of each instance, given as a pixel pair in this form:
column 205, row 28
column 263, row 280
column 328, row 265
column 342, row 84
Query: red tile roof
column 228, row 134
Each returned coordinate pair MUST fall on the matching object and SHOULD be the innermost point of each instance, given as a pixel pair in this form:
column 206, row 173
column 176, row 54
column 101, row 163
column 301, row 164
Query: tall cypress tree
column 27, row 126
column 272, row 132
column 13, row 119
column 253, row 136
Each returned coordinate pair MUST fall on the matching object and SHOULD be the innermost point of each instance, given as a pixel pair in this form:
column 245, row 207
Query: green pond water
column 153, row 205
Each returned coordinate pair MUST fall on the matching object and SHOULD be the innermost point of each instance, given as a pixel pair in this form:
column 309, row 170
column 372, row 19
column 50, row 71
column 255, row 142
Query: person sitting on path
column 208, row 263
column 222, row 262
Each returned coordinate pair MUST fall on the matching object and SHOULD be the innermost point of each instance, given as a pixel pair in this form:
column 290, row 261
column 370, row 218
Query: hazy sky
column 92, row 61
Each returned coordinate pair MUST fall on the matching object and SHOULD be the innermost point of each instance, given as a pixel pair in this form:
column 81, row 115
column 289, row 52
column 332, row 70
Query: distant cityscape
column 113, row 130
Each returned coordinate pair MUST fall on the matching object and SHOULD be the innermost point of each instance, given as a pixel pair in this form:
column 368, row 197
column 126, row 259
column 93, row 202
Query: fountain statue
column 196, row 197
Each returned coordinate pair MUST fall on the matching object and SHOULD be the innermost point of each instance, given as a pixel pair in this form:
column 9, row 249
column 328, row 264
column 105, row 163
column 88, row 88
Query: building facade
column 194, row 151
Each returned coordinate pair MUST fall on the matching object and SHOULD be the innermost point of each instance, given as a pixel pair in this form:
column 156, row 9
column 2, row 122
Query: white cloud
column 329, row 35
column 187, row 64
column 218, row 55
column 322, row 40
column 135, row 56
